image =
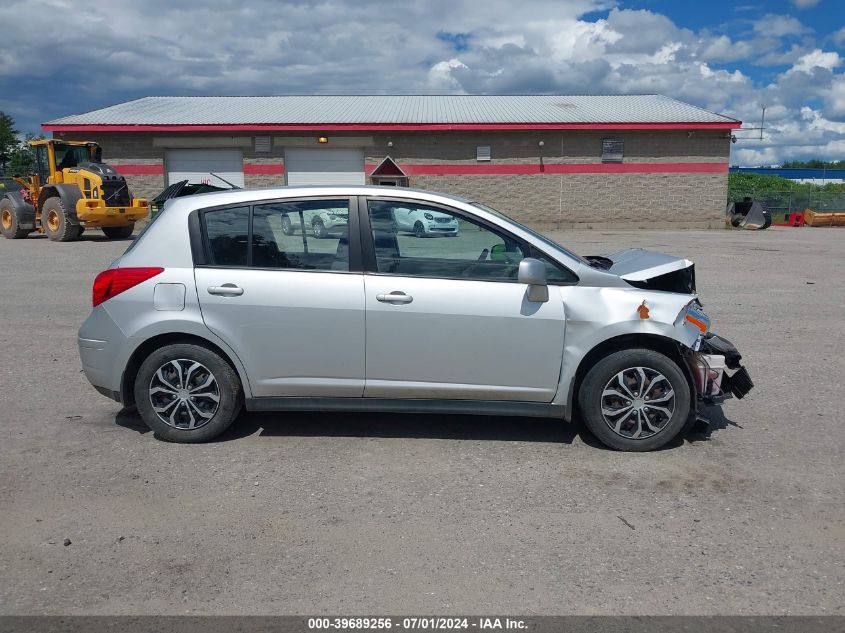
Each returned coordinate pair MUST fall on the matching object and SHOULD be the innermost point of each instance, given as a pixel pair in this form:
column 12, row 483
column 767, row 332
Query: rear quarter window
column 227, row 235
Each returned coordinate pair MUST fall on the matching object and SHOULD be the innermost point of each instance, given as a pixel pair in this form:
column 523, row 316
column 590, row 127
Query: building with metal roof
column 550, row 160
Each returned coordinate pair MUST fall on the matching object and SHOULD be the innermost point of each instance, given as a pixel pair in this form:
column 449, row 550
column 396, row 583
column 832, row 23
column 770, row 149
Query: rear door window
column 297, row 235
column 306, row 235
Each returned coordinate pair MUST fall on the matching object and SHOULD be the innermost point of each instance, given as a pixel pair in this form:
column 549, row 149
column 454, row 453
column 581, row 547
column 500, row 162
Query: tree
column 22, row 158
column 814, row 164
column 8, row 137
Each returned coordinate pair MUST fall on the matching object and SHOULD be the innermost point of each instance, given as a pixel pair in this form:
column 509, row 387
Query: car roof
column 235, row 196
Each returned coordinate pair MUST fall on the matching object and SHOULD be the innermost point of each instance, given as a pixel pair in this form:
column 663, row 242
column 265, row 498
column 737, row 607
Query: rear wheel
column 118, row 232
column 635, row 400
column 56, row 221
column 10, row 224
column 187, row 393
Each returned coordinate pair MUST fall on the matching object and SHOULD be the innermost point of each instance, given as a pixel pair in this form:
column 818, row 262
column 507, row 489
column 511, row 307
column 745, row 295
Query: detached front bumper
column 717, row 370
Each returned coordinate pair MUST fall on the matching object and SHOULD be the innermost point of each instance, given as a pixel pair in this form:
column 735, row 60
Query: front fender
column 595, row 315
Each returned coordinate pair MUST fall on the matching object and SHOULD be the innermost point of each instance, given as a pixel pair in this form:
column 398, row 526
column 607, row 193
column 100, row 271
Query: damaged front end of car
column 714, row 362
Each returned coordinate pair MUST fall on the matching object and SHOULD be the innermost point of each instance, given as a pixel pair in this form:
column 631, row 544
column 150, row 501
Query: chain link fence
column 782, row 203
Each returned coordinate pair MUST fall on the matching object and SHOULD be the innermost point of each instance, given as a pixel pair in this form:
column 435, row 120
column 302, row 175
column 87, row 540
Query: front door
column 285, row 301
column 446, row 317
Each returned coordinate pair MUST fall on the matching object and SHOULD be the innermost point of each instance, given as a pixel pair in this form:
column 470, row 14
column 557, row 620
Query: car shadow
column 717, row 421
column 420, row 426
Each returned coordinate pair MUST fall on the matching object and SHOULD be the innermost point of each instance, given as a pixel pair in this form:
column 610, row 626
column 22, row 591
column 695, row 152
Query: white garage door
column 197, row 165
column 324, row 166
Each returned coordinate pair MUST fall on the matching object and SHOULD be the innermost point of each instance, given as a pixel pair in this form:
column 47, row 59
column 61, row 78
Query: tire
column 226, row 386
column 318, row 229
column 10, row 222
column 287, row 227
column 419, row 229
column 56, row 221
column 118, row 232
column 657, row 424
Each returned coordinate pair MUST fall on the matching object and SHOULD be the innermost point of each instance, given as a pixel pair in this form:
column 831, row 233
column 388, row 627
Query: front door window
column 417, row 240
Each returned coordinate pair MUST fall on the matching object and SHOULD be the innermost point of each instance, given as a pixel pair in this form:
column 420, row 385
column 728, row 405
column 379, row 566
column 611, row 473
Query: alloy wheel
column 184, row 394
column 638, row 403
column 7, row 219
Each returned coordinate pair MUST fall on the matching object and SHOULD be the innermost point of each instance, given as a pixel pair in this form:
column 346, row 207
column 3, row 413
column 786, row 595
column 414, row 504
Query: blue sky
column 729, row 57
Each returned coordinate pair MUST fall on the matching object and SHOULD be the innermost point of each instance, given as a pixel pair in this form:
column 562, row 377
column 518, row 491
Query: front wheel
column 118, row 232
column 56, row 221
column 318, row 229
column 419, row 229
column 635, row 400
column 187, row 393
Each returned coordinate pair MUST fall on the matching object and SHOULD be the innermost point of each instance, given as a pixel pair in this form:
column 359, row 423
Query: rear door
column 290, row 305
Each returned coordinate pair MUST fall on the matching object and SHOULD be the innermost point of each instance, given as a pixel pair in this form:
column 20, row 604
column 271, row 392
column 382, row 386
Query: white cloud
column 803, row 4
column 816, row 59
column 440, row 46
column 779, row 25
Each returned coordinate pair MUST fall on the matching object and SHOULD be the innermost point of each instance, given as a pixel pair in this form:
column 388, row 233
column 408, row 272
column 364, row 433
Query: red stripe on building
column 484, row 170
column 139, row 170
column 560, row 168
column 264, row 170
column 398, row 127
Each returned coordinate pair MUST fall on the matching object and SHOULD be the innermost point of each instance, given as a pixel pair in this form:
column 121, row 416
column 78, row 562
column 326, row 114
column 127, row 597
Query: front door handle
column 226, row 290
column 397, row 296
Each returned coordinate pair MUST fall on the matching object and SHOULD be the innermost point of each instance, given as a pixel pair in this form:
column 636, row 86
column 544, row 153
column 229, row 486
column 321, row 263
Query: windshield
column 71, row 155
column 534, row 233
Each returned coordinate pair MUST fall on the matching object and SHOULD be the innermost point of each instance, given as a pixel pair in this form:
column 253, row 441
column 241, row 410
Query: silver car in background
column 217, row 305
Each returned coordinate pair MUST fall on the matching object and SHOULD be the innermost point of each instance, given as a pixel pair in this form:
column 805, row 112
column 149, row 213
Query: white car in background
column 319, row 223
column 423, row 223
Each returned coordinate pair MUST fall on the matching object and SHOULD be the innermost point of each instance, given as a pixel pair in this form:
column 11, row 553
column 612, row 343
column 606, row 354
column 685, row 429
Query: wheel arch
column 127, row 381
column 662, row 344
column 25, row 211
column 68, row 194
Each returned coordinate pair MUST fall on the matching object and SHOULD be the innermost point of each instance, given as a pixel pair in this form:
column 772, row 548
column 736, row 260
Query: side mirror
column 532, row 272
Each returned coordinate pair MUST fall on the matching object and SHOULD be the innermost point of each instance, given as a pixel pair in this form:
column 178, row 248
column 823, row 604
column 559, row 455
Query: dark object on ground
column 748, row 214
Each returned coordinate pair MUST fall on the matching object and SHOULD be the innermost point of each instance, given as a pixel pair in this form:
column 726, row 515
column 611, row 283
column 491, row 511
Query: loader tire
column 56, row 221
column 10, row 225
column 118, row 232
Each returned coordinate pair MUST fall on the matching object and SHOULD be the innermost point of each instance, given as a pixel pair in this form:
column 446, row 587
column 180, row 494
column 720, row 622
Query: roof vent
column 612, row 150
column 262, row 143
column 482, row 152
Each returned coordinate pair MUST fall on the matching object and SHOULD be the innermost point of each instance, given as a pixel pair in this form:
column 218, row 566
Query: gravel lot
column 317, row 513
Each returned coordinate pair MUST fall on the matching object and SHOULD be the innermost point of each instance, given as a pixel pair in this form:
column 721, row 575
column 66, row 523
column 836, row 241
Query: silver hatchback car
column 217, row 305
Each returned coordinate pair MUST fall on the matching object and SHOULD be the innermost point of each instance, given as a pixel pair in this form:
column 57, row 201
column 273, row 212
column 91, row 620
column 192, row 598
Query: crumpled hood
column 653, row 271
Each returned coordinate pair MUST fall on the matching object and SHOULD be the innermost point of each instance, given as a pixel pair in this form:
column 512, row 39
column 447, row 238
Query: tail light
column 113, row 281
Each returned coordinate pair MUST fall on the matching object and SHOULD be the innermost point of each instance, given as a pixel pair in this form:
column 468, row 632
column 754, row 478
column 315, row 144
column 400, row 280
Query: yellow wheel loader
column 70, row 191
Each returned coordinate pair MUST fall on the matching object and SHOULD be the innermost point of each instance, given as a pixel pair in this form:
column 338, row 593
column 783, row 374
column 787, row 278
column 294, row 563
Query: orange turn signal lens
column 699, row 324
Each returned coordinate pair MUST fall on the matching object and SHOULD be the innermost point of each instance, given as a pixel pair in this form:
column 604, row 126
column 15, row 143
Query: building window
column 482, row 152
column 612, row 150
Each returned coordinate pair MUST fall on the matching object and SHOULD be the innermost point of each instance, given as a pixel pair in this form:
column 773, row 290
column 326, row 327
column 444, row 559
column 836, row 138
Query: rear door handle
column 226, row 290
column 397, row 296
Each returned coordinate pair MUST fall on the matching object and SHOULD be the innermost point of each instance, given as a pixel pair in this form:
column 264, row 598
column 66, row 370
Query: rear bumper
column 102, row 347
